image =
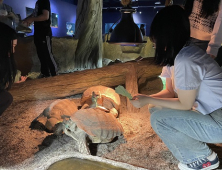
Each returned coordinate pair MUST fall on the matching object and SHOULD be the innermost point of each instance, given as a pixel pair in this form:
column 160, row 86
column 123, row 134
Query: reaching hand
column 139, row 100
column 27, row 22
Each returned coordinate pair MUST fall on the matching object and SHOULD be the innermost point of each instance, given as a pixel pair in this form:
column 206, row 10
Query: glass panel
column 29, row 11
column 54, row 20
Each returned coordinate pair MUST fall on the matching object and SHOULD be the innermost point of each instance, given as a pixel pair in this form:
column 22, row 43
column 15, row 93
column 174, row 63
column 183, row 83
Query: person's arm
column 166, row 93
column 187, row 73
column 216, row 36
column 32, row 15
column 185, row 100
column 43, row 17
column 11, row 13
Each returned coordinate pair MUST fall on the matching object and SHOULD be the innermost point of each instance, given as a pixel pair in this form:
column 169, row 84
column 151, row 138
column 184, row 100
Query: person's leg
column 52, row 66
column 40, row 44
column 5, row 100
column 186, row 133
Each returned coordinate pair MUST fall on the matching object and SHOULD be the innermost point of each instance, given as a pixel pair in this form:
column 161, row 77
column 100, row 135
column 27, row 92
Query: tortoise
column 94, row 124
column 101, row 96
column 55, row 113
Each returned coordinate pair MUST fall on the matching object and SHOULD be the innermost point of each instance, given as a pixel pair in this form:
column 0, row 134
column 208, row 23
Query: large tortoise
column 94, row 124
column 55, row 113
column 101, row 96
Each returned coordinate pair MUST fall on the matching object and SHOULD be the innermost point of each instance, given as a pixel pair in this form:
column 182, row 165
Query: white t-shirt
column 194, row 69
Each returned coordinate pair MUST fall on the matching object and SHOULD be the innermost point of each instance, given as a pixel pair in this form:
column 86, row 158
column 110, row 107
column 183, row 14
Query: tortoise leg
column 114, row 112
column 82, row 143
column 85, row 106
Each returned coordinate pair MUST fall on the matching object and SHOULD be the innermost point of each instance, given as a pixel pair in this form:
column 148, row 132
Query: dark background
column 66, row 11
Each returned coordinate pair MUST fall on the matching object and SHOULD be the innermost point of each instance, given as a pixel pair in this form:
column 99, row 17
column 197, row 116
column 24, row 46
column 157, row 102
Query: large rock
column 64, row 52
column 127, row 53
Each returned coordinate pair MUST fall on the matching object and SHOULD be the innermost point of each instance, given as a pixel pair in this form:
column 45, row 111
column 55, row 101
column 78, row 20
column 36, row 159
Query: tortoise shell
column 109, row 98
column 101, row 126
column 56, row 112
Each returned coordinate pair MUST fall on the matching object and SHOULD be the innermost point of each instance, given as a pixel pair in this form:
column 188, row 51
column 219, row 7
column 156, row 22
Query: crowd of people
column 187, row 114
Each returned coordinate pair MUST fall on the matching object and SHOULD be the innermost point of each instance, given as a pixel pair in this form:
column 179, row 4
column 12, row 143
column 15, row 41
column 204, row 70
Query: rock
column 64, row 49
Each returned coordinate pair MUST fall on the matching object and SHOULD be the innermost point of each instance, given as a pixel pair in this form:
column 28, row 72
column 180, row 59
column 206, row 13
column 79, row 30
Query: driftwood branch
column 75, row 83
column 131, row 84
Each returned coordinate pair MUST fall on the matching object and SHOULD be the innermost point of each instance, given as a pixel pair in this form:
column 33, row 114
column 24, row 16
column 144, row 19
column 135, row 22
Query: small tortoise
column 55, row 113
column 94, row 124
column 101, row 96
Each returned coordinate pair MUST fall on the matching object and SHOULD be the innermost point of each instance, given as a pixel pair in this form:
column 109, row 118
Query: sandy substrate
column 24, row 148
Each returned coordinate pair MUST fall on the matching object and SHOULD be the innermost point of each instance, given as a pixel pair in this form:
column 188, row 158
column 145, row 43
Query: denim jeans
column 186, row 133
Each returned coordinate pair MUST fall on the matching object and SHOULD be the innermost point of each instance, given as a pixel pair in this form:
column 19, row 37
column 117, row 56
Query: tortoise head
column 95, row 98
column 66, row 124
column 69, row 125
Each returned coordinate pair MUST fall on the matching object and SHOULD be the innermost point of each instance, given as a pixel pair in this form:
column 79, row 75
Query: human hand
column 139, row 100
column 27, row 22
column 23, row 78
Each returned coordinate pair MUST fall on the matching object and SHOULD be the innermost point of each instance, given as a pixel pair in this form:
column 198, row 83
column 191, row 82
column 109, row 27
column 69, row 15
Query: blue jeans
column 186, row 133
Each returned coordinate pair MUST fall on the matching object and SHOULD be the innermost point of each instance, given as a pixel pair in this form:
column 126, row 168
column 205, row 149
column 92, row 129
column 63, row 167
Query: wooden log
column 131, row 86
column 66, row 85
column 149, row 86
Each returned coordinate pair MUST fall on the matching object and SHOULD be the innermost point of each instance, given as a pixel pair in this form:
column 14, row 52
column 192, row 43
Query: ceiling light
column 126, row 32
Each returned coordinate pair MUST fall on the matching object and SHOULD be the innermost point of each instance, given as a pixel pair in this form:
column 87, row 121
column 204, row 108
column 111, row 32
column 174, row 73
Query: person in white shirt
column 205, row 23
column 188, row 113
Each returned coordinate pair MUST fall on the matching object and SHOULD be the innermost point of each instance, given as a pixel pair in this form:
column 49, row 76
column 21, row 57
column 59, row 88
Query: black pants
column 5, row 100
column 204, row 44
column 44, row 50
